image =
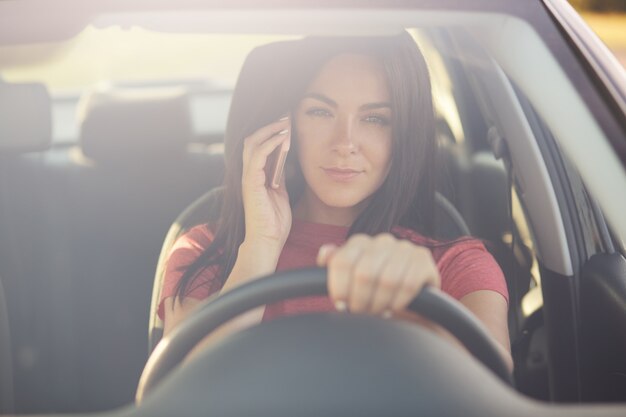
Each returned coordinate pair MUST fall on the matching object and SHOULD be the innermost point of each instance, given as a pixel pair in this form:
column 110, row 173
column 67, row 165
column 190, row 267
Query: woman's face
column 343, row 125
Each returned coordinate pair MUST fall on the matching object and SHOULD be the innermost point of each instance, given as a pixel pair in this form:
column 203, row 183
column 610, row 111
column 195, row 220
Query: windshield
column 509, row 96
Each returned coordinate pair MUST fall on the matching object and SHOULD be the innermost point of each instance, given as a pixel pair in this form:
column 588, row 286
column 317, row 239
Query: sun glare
column 114, row 54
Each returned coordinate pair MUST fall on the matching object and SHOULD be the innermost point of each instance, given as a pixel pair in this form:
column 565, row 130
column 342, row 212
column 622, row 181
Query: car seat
column 25, row 126
column 87, row 223
column 118, row 194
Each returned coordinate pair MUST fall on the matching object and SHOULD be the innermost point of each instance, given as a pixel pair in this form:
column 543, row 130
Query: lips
column 342, row 174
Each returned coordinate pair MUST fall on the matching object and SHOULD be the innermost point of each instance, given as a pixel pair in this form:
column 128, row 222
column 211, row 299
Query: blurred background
column 608, row 19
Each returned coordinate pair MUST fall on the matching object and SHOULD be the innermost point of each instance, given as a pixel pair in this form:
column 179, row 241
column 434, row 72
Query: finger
column 339, row 267
column 267, row 131
column 391, row 278
column 421, row 271
column 257, row 160
column 263, row 134
column 325, row 252
column 251, row 148
column 366, row 272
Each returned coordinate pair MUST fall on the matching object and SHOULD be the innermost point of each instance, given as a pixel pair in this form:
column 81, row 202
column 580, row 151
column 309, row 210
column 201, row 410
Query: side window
column 583, row 220
column 473, row 178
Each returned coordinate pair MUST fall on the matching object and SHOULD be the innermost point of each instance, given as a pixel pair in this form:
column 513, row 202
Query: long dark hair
column 271, row 84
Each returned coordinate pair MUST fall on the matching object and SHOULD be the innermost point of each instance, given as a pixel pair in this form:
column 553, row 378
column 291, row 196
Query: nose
column 344, row 140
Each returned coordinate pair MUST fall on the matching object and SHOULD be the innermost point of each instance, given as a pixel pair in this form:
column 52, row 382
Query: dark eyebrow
column 374, row 106
column 322, row 98
column 333, row 103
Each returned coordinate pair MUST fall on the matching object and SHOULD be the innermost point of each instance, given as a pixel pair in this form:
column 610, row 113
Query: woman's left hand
column 377, row 274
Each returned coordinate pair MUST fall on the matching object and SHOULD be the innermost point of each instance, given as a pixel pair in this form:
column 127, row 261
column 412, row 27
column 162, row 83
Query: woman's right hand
column 267, row 209
column 268, row 221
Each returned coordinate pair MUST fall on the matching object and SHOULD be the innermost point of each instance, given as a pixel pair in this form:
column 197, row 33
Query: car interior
column 89, row 210
column 106, row 203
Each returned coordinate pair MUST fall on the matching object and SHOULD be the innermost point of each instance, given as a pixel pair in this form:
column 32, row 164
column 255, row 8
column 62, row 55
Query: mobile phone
column 275, row 164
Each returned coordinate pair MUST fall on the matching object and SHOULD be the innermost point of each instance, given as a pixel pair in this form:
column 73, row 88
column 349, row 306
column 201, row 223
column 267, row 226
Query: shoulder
column 189, row 246
column 198, row 237
column 443, row 249
column 185, row 251
column 465, row 264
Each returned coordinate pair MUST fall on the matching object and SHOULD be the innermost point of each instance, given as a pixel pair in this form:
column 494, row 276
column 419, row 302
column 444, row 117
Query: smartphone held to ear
column 275, row 164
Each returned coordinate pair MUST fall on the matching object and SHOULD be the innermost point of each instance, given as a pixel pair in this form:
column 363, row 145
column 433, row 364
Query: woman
column 358, row 198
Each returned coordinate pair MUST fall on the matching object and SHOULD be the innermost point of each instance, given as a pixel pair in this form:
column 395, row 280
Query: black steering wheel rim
column 430, row 303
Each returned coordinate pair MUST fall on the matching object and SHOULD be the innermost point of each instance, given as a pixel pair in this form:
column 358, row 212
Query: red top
column 465, row 265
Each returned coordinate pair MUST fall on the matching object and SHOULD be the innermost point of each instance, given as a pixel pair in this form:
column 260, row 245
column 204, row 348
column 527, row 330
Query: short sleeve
column 466, row 267
column 185, row 251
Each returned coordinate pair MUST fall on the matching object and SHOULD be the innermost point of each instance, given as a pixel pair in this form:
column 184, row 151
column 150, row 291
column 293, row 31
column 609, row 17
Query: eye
column 318, row 112
column 377, row 119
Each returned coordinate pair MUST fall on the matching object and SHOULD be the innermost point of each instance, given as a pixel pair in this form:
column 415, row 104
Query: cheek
column 312, row 140
column 304, row 148
column 377, row 145
column 385, row 161
column 313, row 130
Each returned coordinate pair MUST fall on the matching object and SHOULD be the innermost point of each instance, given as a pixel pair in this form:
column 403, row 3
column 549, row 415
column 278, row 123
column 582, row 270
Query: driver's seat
column 450, row 224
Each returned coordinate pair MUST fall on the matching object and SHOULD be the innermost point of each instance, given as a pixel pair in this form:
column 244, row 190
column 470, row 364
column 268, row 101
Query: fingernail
column 387, row 314
column 283, row 132
column 341, row 306
column 321, row 254
column 282, row 119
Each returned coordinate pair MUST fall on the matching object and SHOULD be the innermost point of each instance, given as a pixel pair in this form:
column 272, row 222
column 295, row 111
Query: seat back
column 6, row 358
column 25, row 126
column 204, row 210
column 25, row 117
column 86, row 224
column 133, row 173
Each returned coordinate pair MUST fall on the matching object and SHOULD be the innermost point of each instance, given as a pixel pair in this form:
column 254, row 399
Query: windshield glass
column 136, row 55
column 506, row 87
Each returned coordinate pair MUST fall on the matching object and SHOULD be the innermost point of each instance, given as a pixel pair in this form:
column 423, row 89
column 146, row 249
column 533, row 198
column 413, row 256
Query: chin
column 342, row 198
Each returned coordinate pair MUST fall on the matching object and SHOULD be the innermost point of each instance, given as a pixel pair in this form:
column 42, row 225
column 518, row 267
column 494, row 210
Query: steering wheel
column 430, row 303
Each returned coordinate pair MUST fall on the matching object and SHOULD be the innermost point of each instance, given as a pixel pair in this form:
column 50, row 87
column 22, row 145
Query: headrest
column 25, row 117
column 134, row 125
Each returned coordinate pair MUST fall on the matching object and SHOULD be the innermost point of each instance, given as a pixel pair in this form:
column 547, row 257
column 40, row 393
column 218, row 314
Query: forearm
column 416, row 318
column 253, row 261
